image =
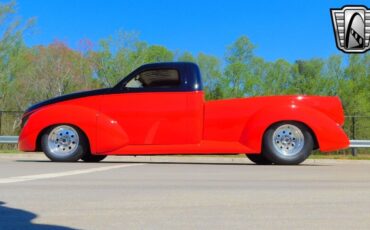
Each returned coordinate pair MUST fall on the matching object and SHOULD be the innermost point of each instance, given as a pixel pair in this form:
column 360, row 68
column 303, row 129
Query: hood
column 68, row 97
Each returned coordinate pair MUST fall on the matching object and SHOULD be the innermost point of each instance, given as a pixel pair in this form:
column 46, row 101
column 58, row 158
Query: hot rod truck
column 160, row 109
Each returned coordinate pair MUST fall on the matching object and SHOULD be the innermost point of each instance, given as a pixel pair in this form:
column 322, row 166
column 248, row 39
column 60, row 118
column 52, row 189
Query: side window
column 163, row 78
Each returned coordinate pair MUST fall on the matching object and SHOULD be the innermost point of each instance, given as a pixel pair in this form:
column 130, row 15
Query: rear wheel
column 287, row 143
column 93, row 158
column 259, row 159
column 64, row 143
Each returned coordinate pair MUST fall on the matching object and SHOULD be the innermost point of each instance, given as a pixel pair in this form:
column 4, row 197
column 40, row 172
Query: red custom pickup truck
column 160, row 109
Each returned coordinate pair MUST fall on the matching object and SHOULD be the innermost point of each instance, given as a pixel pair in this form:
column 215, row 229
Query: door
column 152, row 110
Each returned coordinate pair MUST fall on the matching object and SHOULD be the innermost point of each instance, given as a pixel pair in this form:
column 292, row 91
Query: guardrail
column 353, row 144
column 8, row 139
column 360, row 144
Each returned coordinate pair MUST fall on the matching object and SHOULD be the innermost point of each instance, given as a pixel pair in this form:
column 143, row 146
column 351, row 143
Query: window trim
column 176, row 88
column 153, row 87
column 186, row 69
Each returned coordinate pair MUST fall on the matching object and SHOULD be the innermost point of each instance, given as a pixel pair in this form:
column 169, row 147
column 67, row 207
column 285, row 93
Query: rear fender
column 330, row 136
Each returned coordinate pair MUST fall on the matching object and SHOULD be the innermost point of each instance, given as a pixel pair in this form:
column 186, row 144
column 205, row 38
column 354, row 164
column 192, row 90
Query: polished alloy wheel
column 63, row 140
column 288, row 140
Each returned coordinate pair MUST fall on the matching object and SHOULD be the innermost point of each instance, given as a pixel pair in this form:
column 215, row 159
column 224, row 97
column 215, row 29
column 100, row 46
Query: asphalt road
column 182, row 193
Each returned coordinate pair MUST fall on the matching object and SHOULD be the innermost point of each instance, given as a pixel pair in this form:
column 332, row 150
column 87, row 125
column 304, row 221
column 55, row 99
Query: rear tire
column 258, row 159
column 287, row 143
column 93, row 158
column 64, row 143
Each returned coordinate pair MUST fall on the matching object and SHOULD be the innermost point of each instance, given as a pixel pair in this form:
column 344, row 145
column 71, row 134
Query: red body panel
column 182, row 122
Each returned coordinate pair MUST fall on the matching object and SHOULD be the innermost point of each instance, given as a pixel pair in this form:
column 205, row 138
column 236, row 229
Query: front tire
column 287, row 143
column 64, row 143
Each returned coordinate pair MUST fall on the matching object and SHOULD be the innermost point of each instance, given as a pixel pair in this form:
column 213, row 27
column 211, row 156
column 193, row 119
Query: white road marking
column 61, row 174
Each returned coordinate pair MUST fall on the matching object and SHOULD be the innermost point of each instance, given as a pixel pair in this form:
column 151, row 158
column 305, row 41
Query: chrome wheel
column 288, row 140
column 63, row 140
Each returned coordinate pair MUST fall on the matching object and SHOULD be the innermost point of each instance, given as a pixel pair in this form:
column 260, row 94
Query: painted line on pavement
column 61, row 174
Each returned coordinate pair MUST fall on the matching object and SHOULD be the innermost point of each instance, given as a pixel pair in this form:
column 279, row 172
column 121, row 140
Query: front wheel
column 287, row 143
column 64, row 143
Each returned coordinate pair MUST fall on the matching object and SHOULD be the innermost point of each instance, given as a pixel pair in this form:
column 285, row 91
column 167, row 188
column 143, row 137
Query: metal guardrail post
column 1, row 118
column 354, row 152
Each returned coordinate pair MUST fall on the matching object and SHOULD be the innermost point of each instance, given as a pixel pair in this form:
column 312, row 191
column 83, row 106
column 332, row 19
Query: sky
column 280, row 29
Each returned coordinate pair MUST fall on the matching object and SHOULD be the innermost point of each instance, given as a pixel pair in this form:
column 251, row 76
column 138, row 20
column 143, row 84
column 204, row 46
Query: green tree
column 187, row 57
column 307, row 76
column 11, row 47
column 157, row 53
column 278, row 78
column 238, row 78
column 210, row 69
column 118, row 55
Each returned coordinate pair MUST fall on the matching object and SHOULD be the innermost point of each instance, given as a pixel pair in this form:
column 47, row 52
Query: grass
column 9, row 151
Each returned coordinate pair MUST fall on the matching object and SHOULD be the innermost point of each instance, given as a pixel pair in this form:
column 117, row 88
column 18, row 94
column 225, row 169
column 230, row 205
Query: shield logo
column 352, row 28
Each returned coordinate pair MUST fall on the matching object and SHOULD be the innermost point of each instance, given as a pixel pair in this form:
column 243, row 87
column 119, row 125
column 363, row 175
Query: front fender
column 110, row 136
column 330, row 136
column 82, row 117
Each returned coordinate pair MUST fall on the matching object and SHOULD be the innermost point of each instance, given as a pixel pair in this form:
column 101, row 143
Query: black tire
column 258, row 159
column 93, row 158
column 50, row 146
column 287, row 143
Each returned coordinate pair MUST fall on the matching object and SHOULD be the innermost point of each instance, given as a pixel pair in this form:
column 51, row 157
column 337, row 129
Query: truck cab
column 157, row 104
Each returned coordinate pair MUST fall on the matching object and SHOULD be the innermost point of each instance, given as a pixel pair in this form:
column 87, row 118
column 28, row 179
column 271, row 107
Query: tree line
column 32, row 74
